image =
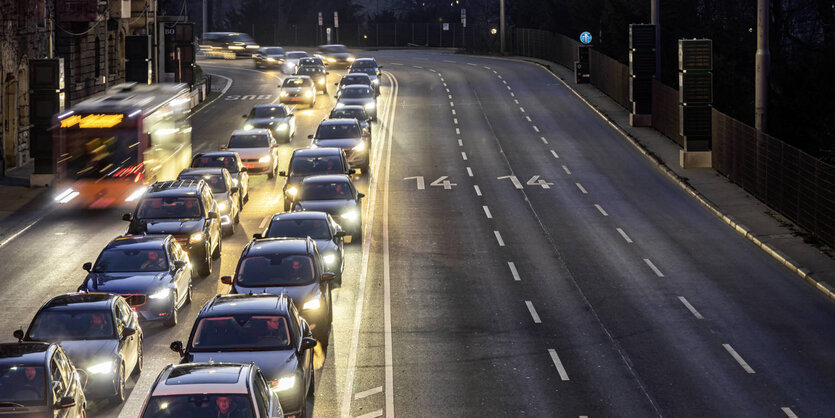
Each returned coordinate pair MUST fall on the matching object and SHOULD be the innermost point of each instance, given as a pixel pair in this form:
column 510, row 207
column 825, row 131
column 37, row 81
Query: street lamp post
column 763, row 59
column 501, row 25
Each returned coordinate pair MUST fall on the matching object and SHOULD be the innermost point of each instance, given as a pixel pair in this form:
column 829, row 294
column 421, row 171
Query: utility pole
column 203, row 36
column 763, row 62
column 655, row 11
column 501, row 25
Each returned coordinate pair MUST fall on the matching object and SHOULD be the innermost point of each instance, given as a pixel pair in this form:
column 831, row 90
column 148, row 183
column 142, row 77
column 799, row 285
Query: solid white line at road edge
column 738, row 358
column 534, row 315
column 556, row 359
column 19, row 233
column 389, row 357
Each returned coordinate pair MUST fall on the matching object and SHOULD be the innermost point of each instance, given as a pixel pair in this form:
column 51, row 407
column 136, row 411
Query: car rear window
column 275, row 270
column 198, row 406
column 241, row 333
column 325, row 191
column 357, row 92
column 226, row 162
column 249, row 141
column 299, row 228
column 268, row 112
column 355, row 113
column 215, row 181
column 174, row 207
column 296, row 54
column 274, row 51
column 305, row 166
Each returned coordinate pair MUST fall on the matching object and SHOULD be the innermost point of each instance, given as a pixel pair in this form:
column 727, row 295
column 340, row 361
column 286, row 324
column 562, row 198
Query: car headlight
column 270, row 59
column 247, row 127
column 195, row 238
column 285, row 383
column 370, row 105
column 331, row 59
column 351, row 59
column 235, row 47
column 101, row 368
column 222, row 206
column 235, row 182
column 329, row 258
column 359, row 147
column 264, row 159
column 283, row 93
column 312, row 304
column 308, row 94
column 350, row 215
column 136, row 194
column 340, row 105
column 282, row 127
column 160, row 294
column 292, row 191
column 376, row 81
column 321, row 81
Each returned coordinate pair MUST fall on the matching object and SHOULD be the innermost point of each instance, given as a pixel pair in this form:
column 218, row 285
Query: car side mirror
column 379, row 67
column 177, row 347
column 213, row 215
column 87, row 266
column 244, row 169
column 327, row 72
column 291, row 114
column 352, row 171
column 360, row 195
column 180, row 264
column 127, row 217
column 340, row 234
column 235, row 189
column 65, row 402
column 328, row 276
column 243, row 116
column 310, row 136
column 336, row 84
column 258, row 235
column 127, row 332
column 18, row 333
column 308, row 343
column 282, row 174
column 222, row 147
column 226, row 279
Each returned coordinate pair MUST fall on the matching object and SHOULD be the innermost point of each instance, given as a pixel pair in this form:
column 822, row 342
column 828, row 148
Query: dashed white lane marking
column 738, row 358
column 453, row 111
column 487, row 212
column 511, row 93
column 451, row 104
column 690, row 308
column 444, row 83
column 477, row 190
column 534, row 315
column 433, row 70
column 567, row 171
column 528, row 118
column 600, row 208
column 457, row 131
column 396, row 63
column 626, row 237
column 470, row 63
column 447, row 90
column 449, row 96
column 455, row 121
column 449, row 61
column 367, row 393
column 544, row 141
column 464, row 155
column 508, row 87
column 504, row 81
column 554, row 153
column 522, row 109
column 499, row 76
column 495, row 72
column 19, row 233
column 264, row 222
column 654, row 269
column 460, row 143
column 582, row 189
column 469, row 171
column 418, row 67
column 535, row 128
column 499, row 238
column 516, row 101
column 514, row 272
column 788, row 411
column 375, row 414
column 560, row 368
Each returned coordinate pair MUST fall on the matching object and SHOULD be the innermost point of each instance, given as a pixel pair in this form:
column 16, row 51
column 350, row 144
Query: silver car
column 298, row 89
column 291, row 61
column 358, row 95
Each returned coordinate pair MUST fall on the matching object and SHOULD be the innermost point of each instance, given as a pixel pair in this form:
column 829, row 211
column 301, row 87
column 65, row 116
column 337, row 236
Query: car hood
column 298, row 294
column 344, row 143
column 274, row 364
column 264, row 122
column 326, row 246
column 125, row 283
column 173, row 226
column 334, row 207
column 251, row 153
column 296, row 90
column 86, row 353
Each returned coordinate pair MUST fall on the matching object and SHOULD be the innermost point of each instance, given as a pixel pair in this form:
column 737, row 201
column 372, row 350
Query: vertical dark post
column 656, row 20
column 763, row 63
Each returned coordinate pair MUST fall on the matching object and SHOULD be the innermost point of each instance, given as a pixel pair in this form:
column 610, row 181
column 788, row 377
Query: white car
column 291, row 61
column 297, row 89
column 258, row 150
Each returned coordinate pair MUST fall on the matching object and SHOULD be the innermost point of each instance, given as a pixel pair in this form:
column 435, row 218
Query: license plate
column 248, row 166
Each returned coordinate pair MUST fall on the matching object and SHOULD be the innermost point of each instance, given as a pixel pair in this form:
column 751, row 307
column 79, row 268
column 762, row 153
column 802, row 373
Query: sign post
column 336, row 24
column 463, row 27
column 320, row 27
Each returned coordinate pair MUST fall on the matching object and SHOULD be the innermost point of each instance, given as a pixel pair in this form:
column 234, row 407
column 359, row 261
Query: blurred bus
column 228, row 45
column 109, row 147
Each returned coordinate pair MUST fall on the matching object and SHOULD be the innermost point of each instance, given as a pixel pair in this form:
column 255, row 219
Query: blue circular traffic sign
column 585, row 38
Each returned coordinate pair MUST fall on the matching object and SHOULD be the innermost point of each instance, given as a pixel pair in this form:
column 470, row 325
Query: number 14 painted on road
column 534, row 181
column 440, row 182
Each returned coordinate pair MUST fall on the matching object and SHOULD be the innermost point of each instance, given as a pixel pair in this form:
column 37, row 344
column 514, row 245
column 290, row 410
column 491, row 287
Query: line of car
column 249, row 352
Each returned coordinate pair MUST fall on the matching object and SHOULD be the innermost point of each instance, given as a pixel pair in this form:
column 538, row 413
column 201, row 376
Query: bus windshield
column 99, row 153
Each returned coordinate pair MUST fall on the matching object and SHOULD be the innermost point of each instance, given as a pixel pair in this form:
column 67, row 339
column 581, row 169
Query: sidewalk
column 15, row 193
column 767, row 229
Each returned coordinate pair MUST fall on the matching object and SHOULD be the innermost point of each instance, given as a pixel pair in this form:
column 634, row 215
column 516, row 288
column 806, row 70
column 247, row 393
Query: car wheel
column 205, row 267
column 137, row 369
column 189, row 294
column 364, row 168
column 321, row 334
column 271, row 174
column 216, row 252
column 229, row 229
column 238, row 215
column 119, row 397
column 357, row 237
column 175, row 316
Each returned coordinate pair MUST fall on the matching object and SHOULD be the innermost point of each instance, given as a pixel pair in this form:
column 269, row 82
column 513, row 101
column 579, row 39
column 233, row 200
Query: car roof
column 203, row 171
column 338, row 121
column 264, row 246
column 138, row 242
column 25, row 353
column 258, row 131
column 300, row 215
column 316, row 152
column 92, row 301
column 217, row 154
column 174, row 187
column 203, row 378
column 262, row 303
column 327, row 178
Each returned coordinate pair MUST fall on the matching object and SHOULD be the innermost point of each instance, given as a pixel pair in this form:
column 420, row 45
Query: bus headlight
column 66, row 196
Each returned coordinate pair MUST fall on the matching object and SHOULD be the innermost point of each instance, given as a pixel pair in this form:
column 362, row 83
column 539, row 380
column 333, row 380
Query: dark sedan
column 319, row 76
column 336, row 195
column 269, row 56
column 226, row 195
column 27, row 369
column 151, row 272
column 358, row 95
column 310, row 162
column 100, row 334
column 335, row 55
column 355, row 78
column 276, row 117
column 319, row 226
column 354, row 112
column 263, row 329
column 348, row 135
column 231, row 161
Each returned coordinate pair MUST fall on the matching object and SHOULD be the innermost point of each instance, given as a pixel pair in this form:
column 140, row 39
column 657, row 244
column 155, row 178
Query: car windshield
column 310, row 61
column 335, row 48
column 227, row 162
column 239, row 37
column 310, row 70
column 348, row 80
column 58, row 325
column 275, row 270
column 296, row 54
column 24, row 385
column 364, row 64
column 241, row 333
column 297, row 82
column 274, row 51
column 365, row 70
column 130, row 261
column 305, row 166
column 210, row 405
column 216, row 181
column 325, row 191
column 249, row 141
column 299, row 228
column 357, row 93
column 173, row 207
column 355, row 113
column 265, row 112
column 337, row 131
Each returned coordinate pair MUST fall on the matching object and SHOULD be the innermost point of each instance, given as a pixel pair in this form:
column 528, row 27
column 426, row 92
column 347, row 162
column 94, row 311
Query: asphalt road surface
column 521, row 259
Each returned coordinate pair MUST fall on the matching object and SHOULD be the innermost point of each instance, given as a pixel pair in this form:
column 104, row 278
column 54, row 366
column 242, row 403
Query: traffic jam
column 250, row 352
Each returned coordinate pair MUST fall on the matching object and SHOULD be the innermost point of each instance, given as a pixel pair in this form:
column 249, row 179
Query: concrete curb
column 803, row 273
